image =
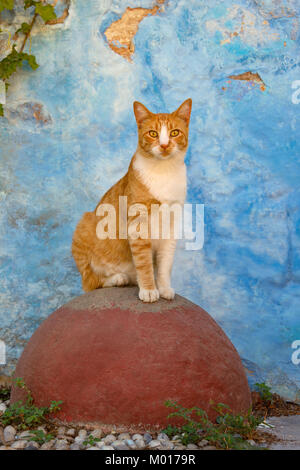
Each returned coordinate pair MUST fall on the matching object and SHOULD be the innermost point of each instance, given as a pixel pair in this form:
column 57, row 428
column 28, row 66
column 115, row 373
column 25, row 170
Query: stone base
column 113, row 359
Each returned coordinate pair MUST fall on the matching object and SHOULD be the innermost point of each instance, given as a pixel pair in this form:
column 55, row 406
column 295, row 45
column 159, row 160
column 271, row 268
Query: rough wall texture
column 69, row 133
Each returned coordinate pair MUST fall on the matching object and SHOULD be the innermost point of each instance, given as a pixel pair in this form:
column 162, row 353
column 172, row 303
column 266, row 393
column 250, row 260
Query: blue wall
column 243, row 163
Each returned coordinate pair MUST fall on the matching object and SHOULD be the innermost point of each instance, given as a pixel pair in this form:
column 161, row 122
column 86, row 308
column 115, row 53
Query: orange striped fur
column 156, row 175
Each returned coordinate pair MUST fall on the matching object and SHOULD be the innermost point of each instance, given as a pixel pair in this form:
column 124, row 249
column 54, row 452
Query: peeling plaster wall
column 69, row 134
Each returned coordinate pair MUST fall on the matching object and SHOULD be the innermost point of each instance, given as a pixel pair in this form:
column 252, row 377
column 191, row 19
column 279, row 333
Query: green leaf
column 13, row 61
column 31, row 60
column 25, row 28
column 1, row 110
column 45, row 11
column 6, row 5
column 29, row 3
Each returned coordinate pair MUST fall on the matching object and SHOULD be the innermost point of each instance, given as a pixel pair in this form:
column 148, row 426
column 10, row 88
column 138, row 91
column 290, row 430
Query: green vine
column 15, row 59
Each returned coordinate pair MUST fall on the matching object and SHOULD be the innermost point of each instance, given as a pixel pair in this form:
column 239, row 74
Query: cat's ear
column 184, row 111
column 141, row 112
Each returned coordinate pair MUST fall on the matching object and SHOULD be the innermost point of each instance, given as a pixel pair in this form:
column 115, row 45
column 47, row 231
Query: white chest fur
column 165, row 180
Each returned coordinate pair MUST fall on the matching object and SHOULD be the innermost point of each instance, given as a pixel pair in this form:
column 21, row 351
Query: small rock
column 62, row 444
column 48, row 445
column 96, row 433
column 79, row 440
column 251, row 442
column 82, row 433
column 99, row 444
column 9, row 433
column 75, row 446
column 140, row 443
column 192, row 447
column 203, row 443
column 176, row 438
column 179, row 447
column 209, row 448
column 30, row 447
column 71, row 432
column 135, row 437
column 109, row 439
column 107, row 448
column 61, row 431
column 3, row 407
column 119, row 445
column 131, row 444
column 163, row 437
column 123, row 436
column 147, row 438
column 93, row 448
column 19, row 444
column 27, row 435
column 154, row 444
column 168, row 445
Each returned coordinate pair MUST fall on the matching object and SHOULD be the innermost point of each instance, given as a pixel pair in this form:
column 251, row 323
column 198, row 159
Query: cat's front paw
column 167, row 293
column 149, row 295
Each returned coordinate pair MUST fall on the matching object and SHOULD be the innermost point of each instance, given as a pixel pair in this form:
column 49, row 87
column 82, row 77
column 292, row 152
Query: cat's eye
column 153, row 133
column 174, row 133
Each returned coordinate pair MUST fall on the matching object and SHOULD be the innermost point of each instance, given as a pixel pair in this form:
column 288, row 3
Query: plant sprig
column 15, row 59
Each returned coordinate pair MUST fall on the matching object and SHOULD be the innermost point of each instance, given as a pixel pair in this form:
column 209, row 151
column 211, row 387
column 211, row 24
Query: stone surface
column 107, row 356
column 9, row 433
column 243, row 162
column 287, row 430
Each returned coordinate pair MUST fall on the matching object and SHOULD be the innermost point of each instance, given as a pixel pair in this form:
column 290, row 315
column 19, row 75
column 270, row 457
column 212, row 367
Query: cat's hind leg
column 90, row 280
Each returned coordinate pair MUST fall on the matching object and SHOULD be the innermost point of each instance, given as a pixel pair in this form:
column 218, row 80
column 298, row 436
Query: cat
column 156, row 175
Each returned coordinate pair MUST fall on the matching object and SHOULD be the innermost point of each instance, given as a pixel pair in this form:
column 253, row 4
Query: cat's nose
column 164, row 146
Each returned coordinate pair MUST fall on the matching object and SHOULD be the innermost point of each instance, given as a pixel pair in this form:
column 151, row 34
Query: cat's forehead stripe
column 164, row 135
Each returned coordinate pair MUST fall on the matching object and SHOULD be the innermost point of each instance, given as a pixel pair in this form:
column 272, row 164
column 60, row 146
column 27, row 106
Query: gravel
column 86, row 437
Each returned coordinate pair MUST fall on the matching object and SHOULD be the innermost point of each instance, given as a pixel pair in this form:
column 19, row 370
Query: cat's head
column 162, row 135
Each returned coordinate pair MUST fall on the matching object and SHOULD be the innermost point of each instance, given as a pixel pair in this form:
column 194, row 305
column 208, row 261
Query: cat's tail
column 82, row 252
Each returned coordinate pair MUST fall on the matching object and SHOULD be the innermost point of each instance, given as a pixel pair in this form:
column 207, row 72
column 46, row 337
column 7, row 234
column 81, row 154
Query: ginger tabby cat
column 156, row 175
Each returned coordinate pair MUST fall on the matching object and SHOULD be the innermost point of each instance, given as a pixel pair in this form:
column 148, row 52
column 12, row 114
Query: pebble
column 93, row 448
column 25, row 435
column 30, row 447
column 99, row 444
column 48, row 445
column 135, row 437
column 251, row 442
column 163, row 437
column 19, row 444
column 109, row 439
column 131, row 444
column 203, row 443
column 209, row 448
column 61, row 431
column 82, row 434
column 62, row 444
column 168, row 445
column 140, row 443
column 3, row 407
column 71, row 432
column 107, row 448
column 123, row 436
column 75, row 446
column 153, row 444
column 147, row 437
column 9, row 433
column 79, row 440
column 119, row 445
column 96, row 433
column 192, row 447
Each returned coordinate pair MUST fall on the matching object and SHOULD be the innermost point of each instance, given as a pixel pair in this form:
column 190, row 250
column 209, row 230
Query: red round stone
column 113, row 359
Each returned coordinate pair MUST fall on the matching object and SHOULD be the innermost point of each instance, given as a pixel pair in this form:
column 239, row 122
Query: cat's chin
column 178, row 155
